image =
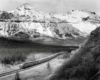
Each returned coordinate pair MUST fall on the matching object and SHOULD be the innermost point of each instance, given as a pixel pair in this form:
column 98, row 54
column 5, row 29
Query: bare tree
column 17, row 77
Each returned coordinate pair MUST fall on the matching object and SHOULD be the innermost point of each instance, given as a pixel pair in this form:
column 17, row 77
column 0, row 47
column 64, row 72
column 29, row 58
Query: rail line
column 32, row 64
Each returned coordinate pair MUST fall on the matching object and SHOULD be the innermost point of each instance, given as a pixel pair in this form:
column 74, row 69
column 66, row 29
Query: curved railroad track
column 31, row 64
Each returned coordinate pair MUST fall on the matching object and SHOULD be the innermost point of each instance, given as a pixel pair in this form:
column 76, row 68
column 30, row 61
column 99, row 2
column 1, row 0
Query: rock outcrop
column 36, row 30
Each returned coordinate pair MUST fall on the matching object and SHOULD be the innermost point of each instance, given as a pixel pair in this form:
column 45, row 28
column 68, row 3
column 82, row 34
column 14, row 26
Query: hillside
column 10, row 44
column 84, row 64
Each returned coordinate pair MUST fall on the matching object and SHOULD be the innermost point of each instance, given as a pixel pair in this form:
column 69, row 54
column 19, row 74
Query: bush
column 17, row 77
column 12, row 58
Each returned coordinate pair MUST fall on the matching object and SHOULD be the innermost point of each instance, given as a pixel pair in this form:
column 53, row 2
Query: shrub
column 17, row 76
column 12, row 58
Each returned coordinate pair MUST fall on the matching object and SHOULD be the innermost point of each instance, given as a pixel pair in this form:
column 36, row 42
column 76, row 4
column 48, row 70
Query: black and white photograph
column 49, row 39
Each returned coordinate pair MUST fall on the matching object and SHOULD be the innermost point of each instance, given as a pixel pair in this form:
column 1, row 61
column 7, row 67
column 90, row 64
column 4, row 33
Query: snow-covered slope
column 85, row 27
column 75, row 16
column 85, row 21
column 31, row 29
column 29, row 23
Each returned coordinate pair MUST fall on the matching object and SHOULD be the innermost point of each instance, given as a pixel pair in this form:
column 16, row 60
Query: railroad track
column 32, row 65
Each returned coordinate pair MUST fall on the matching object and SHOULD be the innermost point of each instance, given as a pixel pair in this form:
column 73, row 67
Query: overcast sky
column 53, row 6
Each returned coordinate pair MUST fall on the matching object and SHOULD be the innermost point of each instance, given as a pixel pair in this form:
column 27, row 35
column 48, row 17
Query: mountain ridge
column 30, row 23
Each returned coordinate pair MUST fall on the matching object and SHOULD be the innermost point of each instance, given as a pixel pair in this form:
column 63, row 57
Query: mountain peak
column 25, row 6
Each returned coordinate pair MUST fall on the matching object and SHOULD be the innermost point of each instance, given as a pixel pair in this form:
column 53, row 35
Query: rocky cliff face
column 36, row 30
column 30, row 23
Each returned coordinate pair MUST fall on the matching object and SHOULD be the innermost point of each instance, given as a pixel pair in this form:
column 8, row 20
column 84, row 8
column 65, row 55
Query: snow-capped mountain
column 30, row 23
column 26, row 11
column 85, row 21
column 74, row 16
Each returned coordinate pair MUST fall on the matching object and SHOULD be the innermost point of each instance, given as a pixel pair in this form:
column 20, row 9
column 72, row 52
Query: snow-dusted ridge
column 29, row 22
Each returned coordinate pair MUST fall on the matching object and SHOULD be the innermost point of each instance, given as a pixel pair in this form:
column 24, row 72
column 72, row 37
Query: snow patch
column 85, row 27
